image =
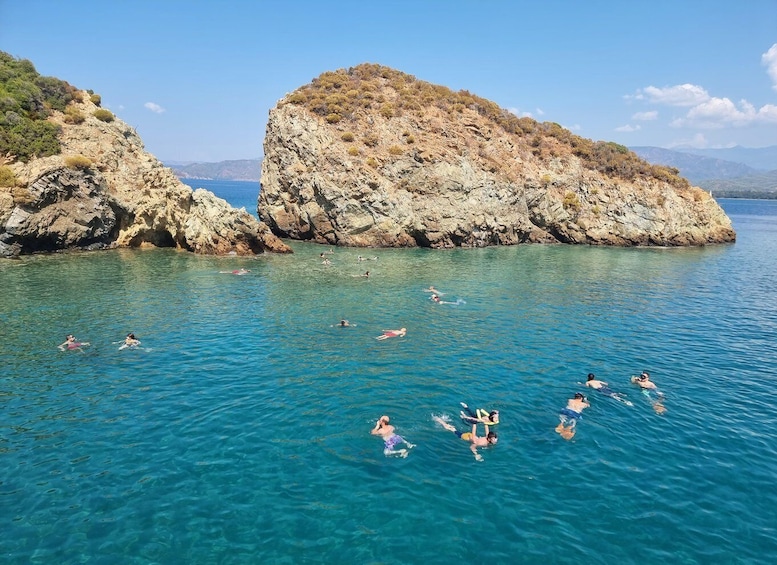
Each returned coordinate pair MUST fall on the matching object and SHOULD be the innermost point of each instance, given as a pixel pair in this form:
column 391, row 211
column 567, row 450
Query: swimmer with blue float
column 570, row 414
column 605, row 389
column 390, row 439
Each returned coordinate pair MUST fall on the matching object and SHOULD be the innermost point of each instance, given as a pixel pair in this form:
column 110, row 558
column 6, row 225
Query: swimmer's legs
column 468, row 410
column 399, row 452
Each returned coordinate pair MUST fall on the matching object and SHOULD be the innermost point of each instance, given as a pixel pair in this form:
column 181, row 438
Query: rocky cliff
column 104, row 190
column 370, row 156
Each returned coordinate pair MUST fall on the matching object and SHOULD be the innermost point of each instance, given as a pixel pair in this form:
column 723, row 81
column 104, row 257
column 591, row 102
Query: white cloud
column 718, row 113
column 521, row 114
column 628, row 128
column 645, row 116
column 769, row 59
column 156, row 108
column 678, row 95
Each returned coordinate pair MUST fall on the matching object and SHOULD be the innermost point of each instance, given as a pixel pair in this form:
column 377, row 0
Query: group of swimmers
column 72, row 344
column 572, row 412
column 391, row 440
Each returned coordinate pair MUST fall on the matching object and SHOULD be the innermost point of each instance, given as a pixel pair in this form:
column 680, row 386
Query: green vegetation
column 26, row 100
column 103, row 115
column 7, row 178
column 78, row 162
column 347, row 136
column 390, row 93
column 73, row 115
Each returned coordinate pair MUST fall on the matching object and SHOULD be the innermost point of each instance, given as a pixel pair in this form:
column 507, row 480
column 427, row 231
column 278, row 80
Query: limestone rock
column 119, row 196
column 368, row 157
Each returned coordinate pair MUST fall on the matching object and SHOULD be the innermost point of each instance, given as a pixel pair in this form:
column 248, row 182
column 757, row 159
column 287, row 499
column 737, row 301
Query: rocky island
column 373, row 157
column 74, row 176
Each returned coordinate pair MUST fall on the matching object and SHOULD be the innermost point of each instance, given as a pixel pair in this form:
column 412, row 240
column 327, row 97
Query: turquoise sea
column 238, row 433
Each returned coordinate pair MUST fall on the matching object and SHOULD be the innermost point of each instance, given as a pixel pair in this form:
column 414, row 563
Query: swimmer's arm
column 376, row 429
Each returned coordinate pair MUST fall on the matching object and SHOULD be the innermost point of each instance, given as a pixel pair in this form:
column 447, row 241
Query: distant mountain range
column 240, row 169
column 736, row 172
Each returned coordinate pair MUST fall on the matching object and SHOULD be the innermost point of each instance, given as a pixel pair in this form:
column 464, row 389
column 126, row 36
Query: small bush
column 371, row 140
column 347, row 136
column 410, row 140
column 372, row 162
column 333, row 118
column 78, row 162
column 73, row 115
column 103, row 115
column 352, row 151
column 571, row 202
column 7, row 178
column 395, row 150
column 387, row 110
column 96, row 99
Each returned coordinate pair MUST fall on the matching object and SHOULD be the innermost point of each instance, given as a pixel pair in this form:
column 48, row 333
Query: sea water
column 238, row 432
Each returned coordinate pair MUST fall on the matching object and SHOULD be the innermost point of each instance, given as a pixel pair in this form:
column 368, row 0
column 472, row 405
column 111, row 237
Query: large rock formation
column 104, row 190
column 374, row 157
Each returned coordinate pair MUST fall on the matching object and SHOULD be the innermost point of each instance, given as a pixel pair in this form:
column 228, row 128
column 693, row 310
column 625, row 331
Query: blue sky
column 197, row 79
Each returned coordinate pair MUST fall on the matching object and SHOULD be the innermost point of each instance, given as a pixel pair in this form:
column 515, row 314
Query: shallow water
column 239, row 431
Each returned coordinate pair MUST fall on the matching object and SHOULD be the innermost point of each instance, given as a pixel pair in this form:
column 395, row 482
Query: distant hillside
column 761, row 158
column 695, row 168
column 761, row 185
column 241, row 169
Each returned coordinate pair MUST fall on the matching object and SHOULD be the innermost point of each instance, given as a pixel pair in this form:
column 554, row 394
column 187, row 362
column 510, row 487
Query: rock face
column 341, row 169
column 118, row 196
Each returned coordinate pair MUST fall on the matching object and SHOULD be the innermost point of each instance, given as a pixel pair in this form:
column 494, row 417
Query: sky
column 197, row 79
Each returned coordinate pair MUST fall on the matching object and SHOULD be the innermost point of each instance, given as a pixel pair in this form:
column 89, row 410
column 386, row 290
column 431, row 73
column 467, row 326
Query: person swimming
column 489, row 418
column 130, row 341
column 392, row 333
column 72, row 343
column 605, row 389
column 472, row 437
column 390, row 438
column 570, row 414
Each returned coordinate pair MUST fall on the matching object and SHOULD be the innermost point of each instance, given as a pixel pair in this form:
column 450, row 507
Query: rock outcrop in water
column 370, row 156
column 104, row 190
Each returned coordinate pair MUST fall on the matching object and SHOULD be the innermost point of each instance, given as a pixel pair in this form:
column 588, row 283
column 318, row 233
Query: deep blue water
column 239, row 432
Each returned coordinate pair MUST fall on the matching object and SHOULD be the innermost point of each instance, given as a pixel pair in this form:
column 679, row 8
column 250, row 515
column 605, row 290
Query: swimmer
column 345, row 324
column 472, row 437
column 604, row 388
column 130, row 341
column 433, row 290
column 479, row 416
column 392, row 333
column 390, row 439
column 360, row 258
column 326, row 261
column 648, row 386
column 570, row 414
column 236, row 272
column 643, row 381
column 435, row 298
column 366, row 274
column 71, row 343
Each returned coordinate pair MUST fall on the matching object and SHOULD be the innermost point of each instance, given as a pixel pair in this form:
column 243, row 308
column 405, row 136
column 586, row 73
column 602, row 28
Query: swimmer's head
column 579, row 396
column 491, row 438
column 493, row 415
column 384, row 420
column 591, row 376
column 131, row 335
column 70, row 336
column 645, row 375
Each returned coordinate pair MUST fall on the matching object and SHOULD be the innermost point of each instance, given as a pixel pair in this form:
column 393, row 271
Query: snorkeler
column 570, row 414
column 648, row 386
column 479, row 416
column 604, row 388
column 390, row 439
column 392, row 333
column 472, row 437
